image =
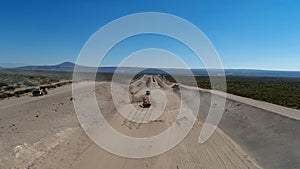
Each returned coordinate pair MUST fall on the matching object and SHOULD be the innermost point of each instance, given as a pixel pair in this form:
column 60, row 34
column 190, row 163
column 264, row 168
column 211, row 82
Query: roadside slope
column 268, row 132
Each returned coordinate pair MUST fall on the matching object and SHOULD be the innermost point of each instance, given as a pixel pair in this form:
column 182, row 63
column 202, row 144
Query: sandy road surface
column 40, row 132
column 219, row 152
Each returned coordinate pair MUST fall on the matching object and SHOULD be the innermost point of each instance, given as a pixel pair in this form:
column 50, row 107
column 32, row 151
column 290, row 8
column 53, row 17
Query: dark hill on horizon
column 69, row 67
column 64, row 67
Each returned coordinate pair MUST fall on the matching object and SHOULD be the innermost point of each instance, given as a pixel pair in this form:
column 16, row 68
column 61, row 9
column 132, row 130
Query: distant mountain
column 69, row 67
column 261, row 73
column 64, row 67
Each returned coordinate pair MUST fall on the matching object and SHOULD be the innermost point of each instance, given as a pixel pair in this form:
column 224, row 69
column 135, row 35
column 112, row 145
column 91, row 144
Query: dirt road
column 218, row 152
column 45, row 133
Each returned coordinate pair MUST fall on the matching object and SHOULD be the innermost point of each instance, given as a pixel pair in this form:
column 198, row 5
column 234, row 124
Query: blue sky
column 258, row 34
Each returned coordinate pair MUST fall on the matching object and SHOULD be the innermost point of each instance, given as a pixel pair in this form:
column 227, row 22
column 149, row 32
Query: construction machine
column 146, row 100
column 40, row 91
column 44, row 90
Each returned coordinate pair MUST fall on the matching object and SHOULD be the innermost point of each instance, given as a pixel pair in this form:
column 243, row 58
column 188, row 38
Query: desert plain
column 44, row 132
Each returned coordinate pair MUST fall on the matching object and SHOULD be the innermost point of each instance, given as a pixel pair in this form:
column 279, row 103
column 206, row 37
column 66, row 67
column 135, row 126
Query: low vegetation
column 16, row 83
column 280, row 91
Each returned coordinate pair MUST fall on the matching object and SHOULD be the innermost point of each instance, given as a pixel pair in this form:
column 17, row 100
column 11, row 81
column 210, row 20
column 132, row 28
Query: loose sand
column 43, row 132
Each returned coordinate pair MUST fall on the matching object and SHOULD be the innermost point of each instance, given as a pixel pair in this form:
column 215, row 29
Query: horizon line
column 261, row 69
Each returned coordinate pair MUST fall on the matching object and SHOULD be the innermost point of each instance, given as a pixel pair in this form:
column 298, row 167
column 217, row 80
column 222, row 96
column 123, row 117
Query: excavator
column 40, row 91
column 146, row 100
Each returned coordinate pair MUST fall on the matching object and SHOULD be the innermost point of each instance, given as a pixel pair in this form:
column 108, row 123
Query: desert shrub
column 2, row 84
column 53, row 80
column 28, row 83
column 280, row 91
column 18, row 85
column 20, row 92
column 10, row 88
column 5, row 95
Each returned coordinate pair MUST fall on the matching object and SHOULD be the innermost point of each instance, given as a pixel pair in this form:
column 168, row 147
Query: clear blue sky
column 259, row 34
